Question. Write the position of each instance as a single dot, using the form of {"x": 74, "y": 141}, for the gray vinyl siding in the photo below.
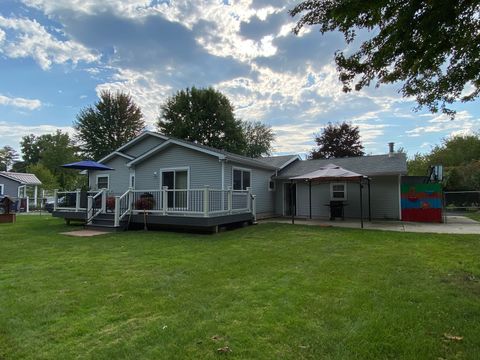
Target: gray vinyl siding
{"x": 10, "y": 186}
{"x": 384, "y": 199}
{"x": 143, "y": 146}
{"x": 118, "y": 178}
{"x": 260, "y": 178}
{"x": 204, "y": 169}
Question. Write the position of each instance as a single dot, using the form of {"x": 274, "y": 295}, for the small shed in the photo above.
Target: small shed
{"x": 15, "y": 185}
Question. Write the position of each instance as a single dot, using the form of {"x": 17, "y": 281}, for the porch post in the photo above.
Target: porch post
{"x": 230, "y": 199}
{"x": 89, "y": 207}
{"x": 130, "y": 198}
{"x": 35, "y": 195}
{"x": 310, "y": 196}
{"x": 164, "y": 199}
{"x": 27, "y": 207}
{"x": 361, "y": 204}
{"x": 116, "y": 216}
{"x": 369, "y": 202}
{"x": 254, "y": 208}
{"x": 77, "y": 200}
{"x": 205, "y": 200}
{"x": 104, "y": 201}
{"x": 55, "y": 199}
{"x": 292, "y": 210}
{"x": 249, "y": 191}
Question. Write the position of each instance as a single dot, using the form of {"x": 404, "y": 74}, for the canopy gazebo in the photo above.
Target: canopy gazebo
{"x": 329, "y": 173}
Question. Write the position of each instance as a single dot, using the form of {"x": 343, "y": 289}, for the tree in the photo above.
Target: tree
{"x": 114, "y": 120}
{"x": 48, "y": 179}
{"x": 337, "y": 141}
{"x": 258, "y": 138}
{"x": 51, "y": 151}
{"x": 430, "y": 46}
{"x": 204, "y": 116}
{"x": 8, "y": 156}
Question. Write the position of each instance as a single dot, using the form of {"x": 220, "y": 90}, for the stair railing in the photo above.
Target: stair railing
{"x": 123, "y": 206}
{"x": 93, "y": 207}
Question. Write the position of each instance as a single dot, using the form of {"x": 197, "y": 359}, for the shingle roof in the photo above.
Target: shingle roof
{"x": 22, "y": 178}
{"x": 365, "y": 165}
{"x": 277, "y": 161}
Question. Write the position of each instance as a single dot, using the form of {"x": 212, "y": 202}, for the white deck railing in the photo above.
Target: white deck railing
{"x": 204, "y": 202}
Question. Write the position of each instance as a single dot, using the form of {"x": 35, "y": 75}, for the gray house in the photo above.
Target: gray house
{"x": 184, "y": 183}
{"x": 17, "y": 185}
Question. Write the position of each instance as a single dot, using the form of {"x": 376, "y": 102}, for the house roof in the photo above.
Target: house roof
{"x": 22, "y": 178}
{"x": 395, "y": 164}
{"x": 221, "y": 154}
{"x": 279, "y": 161}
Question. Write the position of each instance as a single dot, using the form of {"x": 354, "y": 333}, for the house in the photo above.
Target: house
{"x": 19, "y": 185}
{"x": 190, "y": 184}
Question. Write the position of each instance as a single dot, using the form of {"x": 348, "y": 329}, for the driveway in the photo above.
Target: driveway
{"x": 453, "y": 225}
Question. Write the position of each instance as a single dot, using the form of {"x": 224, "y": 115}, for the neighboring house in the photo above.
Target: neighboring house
{"x": 16, "y": 185}
{"x": 153, "y": 161}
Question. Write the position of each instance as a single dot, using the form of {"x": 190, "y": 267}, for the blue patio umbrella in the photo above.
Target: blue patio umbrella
{"x": 87, "y": 165}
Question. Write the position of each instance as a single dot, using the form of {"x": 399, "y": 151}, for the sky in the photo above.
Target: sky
{"x": 57, "y": 55}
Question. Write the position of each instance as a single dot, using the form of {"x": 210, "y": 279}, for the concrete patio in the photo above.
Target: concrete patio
{"x": 454, "y": 225}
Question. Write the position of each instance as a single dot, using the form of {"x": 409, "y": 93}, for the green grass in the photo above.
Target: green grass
{"x": 474, "y": 215}
{"x": 267, "y": 292}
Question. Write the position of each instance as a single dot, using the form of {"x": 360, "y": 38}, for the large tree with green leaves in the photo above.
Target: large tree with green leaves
{"x": 204, "y": 116}
{"x": 338, "y": 141}
{"x": 8, "y": 156}
{"x": 111, "y": 122}
{"x": 258, "y": 139}
{"x": 432, "y": 47}
{"x": 51, "y": 151}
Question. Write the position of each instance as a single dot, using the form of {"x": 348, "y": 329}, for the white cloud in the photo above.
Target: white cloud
{"x": 463, "y": 124}
{"x": 30, "y": 39}
{"x": 12, "y": 133}
{"x": 30, "y": 104}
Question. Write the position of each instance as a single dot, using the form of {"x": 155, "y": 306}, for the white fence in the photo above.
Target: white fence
{"x": 204, "y": 202}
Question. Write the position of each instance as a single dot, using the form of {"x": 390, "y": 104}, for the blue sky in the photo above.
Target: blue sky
{"x": 56, "y": 55}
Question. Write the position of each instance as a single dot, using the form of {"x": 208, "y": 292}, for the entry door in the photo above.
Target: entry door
{"x": 176, "y": 180}
{"x": 290, "y": 198}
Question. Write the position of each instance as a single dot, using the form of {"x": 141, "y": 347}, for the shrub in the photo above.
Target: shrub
{"x": 145, "y": 202}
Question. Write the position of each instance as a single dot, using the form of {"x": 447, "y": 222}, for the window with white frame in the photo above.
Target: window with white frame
{"x": 103, "y": 181}
{"x": 338, "y": 191}
{"x": 2, "y": 189}
{"x": 241, "y": 179}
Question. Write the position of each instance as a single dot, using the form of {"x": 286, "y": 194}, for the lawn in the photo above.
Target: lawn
{"x": 267, "y": 292}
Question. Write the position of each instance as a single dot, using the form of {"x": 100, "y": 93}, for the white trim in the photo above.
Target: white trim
{"x": 140, "y": 137}
{"x": 344, "y": 184}
{"x": 242, "y": 169}
{"x": 2, "y": 189}
{"x": 115, "y": 153}
{"x": 130, "y": 176}
{"x": 102, "y": 175}
{"x": 174, "y": 169}
{"x": 297, "y": 157}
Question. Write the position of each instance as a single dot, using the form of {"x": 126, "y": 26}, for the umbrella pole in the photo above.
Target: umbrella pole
{"x": 361, "y": 204}
{"x": 369, "y": 202}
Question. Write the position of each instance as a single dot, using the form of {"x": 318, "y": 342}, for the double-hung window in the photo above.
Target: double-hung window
{"x": 338, "y": 191}
{"x": 241, "y": 179}
{"x": 103, "y": 182}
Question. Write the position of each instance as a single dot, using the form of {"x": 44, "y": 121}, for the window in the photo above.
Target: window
{"x": 241, "y": 179}
{"x": 271, "y": 185}
{"x": 2, "y": 189}
{"x": 176, "y": 179}
{"x": 338, "y": 191}
{"x": 102, "y": 182}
